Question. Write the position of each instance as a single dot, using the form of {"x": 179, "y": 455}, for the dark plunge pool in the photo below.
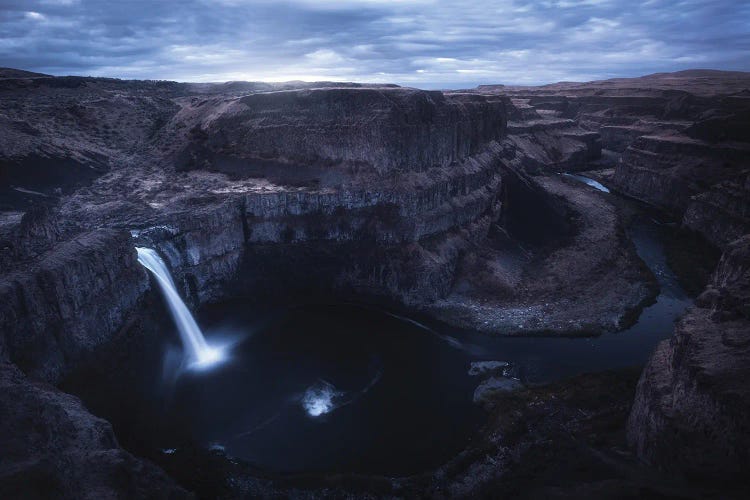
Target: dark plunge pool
{"x": 342, "y": 388}
{"x": 328, "y": 388}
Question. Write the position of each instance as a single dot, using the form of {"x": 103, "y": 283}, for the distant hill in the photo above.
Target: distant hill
{"x": 696, "y": 81}
{"x": 700, "y": 73}
{"x": 19, "y": 73}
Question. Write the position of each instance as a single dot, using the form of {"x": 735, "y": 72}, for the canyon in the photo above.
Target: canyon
{"x": 445, "y": 206}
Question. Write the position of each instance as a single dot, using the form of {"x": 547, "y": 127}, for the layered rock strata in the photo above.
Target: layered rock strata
{"x": 678, "y": 141}
{"x": 71, "y": 299}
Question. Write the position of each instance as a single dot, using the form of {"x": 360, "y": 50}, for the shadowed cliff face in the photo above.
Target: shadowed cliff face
{"x": 96, "y": 284}
{"x": 54, "y": 448}
{"x": 372, "y": 191}
{"x": 692, "y": 407}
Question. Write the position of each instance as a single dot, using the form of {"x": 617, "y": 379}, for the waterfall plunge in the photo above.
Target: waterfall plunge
{"x": 199, "y": 352}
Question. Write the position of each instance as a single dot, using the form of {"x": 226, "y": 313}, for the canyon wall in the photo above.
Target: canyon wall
{"x": 677, "y": 141}
{"x": 374, "y": 191}
{"x": 54, "y": 448}
{"x": 379, "y": 130}
{"x": 668, "y": 171}
{"x": 692, "y": 407}
{"x": 73, "y": 298}
{"x": 681, "y": 143}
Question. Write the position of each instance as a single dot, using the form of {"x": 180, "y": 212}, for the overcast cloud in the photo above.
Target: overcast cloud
{"x": 424, "y": 43}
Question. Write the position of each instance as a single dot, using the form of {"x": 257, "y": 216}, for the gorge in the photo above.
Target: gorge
{"x": 475, "y": 289}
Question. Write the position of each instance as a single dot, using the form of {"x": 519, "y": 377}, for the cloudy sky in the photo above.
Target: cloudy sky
{"x": 424, "y": 43}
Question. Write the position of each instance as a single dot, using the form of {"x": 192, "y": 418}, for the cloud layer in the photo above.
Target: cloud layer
{"x": 424, "y": 43}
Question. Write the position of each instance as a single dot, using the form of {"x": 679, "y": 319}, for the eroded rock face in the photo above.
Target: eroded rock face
{"x": 667, "y": 171}
{"x": 377, "y": 130}
{"x": 378, "y": 192}
{"x": 729, "y": 291}
{"x": 692, "y": 408}
{"x": 721, "y": 214}
{"x": 62, "y": 133}
{"x": 282, "y": 228}
{"x": 590, "y": 284}
{"x": 52, "y": 447}
{"x": 71, "y": 299}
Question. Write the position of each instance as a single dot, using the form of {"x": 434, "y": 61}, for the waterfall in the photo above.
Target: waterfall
{"x": 591, "y": 182}
{"x": 198, "y": 351}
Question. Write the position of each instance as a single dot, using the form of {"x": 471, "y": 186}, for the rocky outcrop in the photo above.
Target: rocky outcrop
{"x": 555, "y": 145}
{"x": 666, "y": 171}
{"x": 699, "y": 175}
{"x": 27, "y": 235}
{"x": 691, "y": 413}
{"x": 618, "y": 138}
{"x": 54, "y": 448}
{"x": 62, "y": 133}
{"x": 74, "y": 297}
{"x": 290, "y": 221}
{"x": 592, "y": 282}
{"x": 729, "y": 292}
{"x": 378, "y": 130}
{"x": 204, "y": 246}
{"x": 721, "y": 214}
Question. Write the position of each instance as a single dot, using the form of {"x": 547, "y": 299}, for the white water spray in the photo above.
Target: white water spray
{"x": 200, "y": 353}
{"x": 320, "y": 398}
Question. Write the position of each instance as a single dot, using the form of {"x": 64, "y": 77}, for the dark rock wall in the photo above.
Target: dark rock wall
{"x": 682, "y": 145}
{"x": 398, "y": 239}
{"x": 72, "y": 299}
{"x": 52, "y": 447}
{"x": 386, "y": 186}
{"x": 367, "y": 129}
{"x": 203, "y": 246}
{"x": 418, "y": 180}
{"x": 721, "y": 214}
{"x": 667, "y": 171}
{"x": 691, "y": 413}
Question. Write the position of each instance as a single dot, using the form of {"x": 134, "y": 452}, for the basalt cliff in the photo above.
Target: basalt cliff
{"x": 444, "y": 205}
